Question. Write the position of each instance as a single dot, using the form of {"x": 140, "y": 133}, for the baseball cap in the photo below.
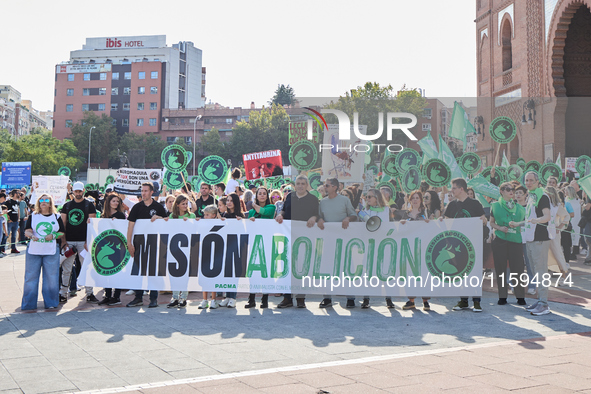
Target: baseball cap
{"x": 78, "y": 186}
{"x": 252, "y": 186}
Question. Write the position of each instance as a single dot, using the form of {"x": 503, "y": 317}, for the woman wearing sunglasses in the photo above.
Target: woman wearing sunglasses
{"x": 277, "y": 200}
{"x": 43, "y": 228}
{"x": 506, "y": 215}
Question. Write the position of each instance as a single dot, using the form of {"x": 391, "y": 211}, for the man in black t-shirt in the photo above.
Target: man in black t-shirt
{"x": 75, "y": 215}
{"x": 13, "y": 216}
{"x": 303, "y": 206}
{"x": 204, "y": 200}
{"x": 464, "y": 207}
{"x": 145, "y": 209}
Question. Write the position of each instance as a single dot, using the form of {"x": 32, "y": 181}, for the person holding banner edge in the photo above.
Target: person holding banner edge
{"x": 145, "y": 209}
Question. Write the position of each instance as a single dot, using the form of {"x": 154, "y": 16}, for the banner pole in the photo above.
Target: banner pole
{"x": 492, "y": 171}
{"x": 190, "y": 193}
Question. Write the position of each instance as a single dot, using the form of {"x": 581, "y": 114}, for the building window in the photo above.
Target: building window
{"x": 101, "y": 107}
{"x": 126, "y": 106}
{"x": 85, "y": 107}
{"x": 188, "y": 140}
{"x": 140, "y": 106}
{"x": 70, "y": 107}
{"x": 141, "y": 90}
{"x": 154, "y": 75}
{"x": 426, "y": 126}
{"x": 127, "y": 75}
{"x": 141, "y": 75}
{"x": 86, "y": 92}
{"x": 427, "y": 113}
{"x": 125, "y": 122}
{"x": 103, "y": 76}
{"x": 152, "y": 121}
{"x": 228, "y": 134}
{"x": 115, "y": 76}
{"x": 153, "y": 106}
{"x": 70, "y": 92}
{"x": 102, "y": 91}
{"x": 171, "y": 140}
{"x": 507, "y": 50}
{"x": 69, "y": 123}
{"x": 114, "y": 106}
{"x": 153, "y": 90}
{"x": 87, "y": 77}
{"x": 70, "y": 77}
{"x": 140, "y": 122}
{"x": 114, "y": 122}
{"x": 127, "y": 91}
{"x": 114, "y": 91}
{"x": 228, "y": 120}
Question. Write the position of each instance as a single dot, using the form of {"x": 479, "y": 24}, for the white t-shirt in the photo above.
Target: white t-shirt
{"x": 231, "y": 186}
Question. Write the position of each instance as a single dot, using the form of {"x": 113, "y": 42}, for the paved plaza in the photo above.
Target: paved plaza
{"x": 83, "y": 347}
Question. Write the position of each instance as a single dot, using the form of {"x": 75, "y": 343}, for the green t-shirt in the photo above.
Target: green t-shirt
{"x": 188, "y": 215}
{"x": 266, "y": 212}
{"x": 503, "y": 217}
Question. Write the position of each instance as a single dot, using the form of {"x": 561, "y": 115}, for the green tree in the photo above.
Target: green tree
{"x": 284, "y": 95}
{"x": 371, "y": 99}
{"x": 266, "y": 129}
{"x": 153, "y": 146}
{"x": 211, "y": 144}
{"x": 46, "y": 154}
{"x": 105, "y": 140}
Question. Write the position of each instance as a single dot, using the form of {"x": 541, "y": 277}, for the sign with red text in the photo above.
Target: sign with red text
{"x": 263, "y": 164}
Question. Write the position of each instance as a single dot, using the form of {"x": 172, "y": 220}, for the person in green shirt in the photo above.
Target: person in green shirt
{"x": 506, "y": 216}
{"x": 180, "y": 210}
{"x": 261, "y": 209}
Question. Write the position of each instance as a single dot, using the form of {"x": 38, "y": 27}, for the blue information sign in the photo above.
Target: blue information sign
{"x": 16, "y": 174}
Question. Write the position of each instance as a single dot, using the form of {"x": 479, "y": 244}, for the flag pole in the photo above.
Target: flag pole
{"x": 492, "y": 171}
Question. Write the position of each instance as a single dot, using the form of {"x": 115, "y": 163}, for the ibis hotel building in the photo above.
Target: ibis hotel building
{"x": 130, "y": 79}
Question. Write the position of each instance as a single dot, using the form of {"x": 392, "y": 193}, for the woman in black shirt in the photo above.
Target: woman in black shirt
{"x": 113, "y": 209}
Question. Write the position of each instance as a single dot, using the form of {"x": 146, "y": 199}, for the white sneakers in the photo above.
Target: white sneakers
{"x": 540, "y": 309}
{"x": 531, "y": 291}
{"x": 214, "y": 304}
{"x": 203, "y": 305}
{"x": 228, "y": 302}
{"x": 224, "y": 302}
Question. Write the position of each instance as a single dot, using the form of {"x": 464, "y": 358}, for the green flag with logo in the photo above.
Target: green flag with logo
{"x": 585, "y": 184}
{"x": 448, "y": 158}
{"x": 429, "y": 148}
{"x": 559, "y": 161}
{"x": 484, "y": 187}
{"x": 460, "y": 125}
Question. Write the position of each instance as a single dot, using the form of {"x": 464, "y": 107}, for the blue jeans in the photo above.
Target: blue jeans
{"x": 51, "y": 278}
{"x": 230, "y": 294}
{"x": 12, "y": 229}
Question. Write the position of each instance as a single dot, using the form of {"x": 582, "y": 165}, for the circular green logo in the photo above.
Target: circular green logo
{"x": 548, "y": 170}
{"x": 315, "y": 180}
{"x": 436, "y": 173}
{"x": 75, "y": 217}
{"x": 521, "y": 163}
{"x": 581, "y": 165}
{"x": 389, "y": 186}
{"x": 89, "y": 186}
{"x": 303, "y": 155}
{"x": 497, "y": 179}
{"x": 213, "y": 169}
{"x": 373, "y": 168}
{"x": 109, "y": 253}
{"x": 406, "y": 159}
{"x": 174, "y": 180}
{"x": 533, "y": 165}
{"x": 174, "y": 158}
{"x": 450, "y": 253}
{"x": 514, "y": 173}
{"x": 411, "y": 179}
{"x": 110, "y": 179}
{"x": 389, "y": 166}
{"x": 470, "y": 163}
{"x": 502, "y": 129}
{"x": 195, "y": 182}
{"x": 44, "y": 229}
{"x": 64, "y": 171}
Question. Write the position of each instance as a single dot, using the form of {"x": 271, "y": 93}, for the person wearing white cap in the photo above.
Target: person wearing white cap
{"x": 75, "y": 215}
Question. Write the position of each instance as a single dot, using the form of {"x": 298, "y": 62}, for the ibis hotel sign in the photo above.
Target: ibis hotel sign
{"x": 129, "y": 42}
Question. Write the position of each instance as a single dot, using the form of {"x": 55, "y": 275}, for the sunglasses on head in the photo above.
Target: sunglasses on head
{"x": 44, "y": 200}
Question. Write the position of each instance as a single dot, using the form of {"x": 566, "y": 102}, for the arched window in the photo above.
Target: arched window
{"x": 506, "y": 45}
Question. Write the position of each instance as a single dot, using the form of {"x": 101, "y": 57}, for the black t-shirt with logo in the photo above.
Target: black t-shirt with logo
{"x": 541, "y": 232}
{"x": 469, "y": 208}
{"x": 141, "y": 211}
{"x": 202, "y": 204}
{"x": 13, "y": 206}
{"x": 77, "y": 214}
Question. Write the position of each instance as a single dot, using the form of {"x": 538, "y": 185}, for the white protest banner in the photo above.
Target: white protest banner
{"x": 54, "y": 185}
{"x": 129, "y": 180}
{"x": 439, "y": 258}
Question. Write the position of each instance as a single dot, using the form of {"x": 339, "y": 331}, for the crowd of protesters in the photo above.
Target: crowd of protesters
{"x": 528, "y": 226}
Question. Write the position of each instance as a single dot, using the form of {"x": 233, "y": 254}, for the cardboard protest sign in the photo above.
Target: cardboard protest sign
{"x": 56, "y": 186}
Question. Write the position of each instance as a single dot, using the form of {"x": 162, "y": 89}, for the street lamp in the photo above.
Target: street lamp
{"x": 194, "y": 140}
{"x": 89, "y": 139}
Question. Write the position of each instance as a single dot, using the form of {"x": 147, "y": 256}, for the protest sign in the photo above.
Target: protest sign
{"x": 298, "y": 131}
{"x": 303, "y": 155}
{"x": 16, "y": 174}
{"x": 340, "y": 161}
{"x": 268, "y": 257}
{"x": 56, "y": 186}
{"x": 263, "y": 164}
{"x": 129, "y": 180}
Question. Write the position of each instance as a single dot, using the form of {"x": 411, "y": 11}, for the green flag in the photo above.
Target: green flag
{"x": 460, "y": 125}
{"x": 505, "y": 162}
{"x": 585, "y": 184}
{"x": 484, "y": 187}
{"x": 448, "y": 158}
{"x": 558, "y": 161}
{"x": 429, "y": 148}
